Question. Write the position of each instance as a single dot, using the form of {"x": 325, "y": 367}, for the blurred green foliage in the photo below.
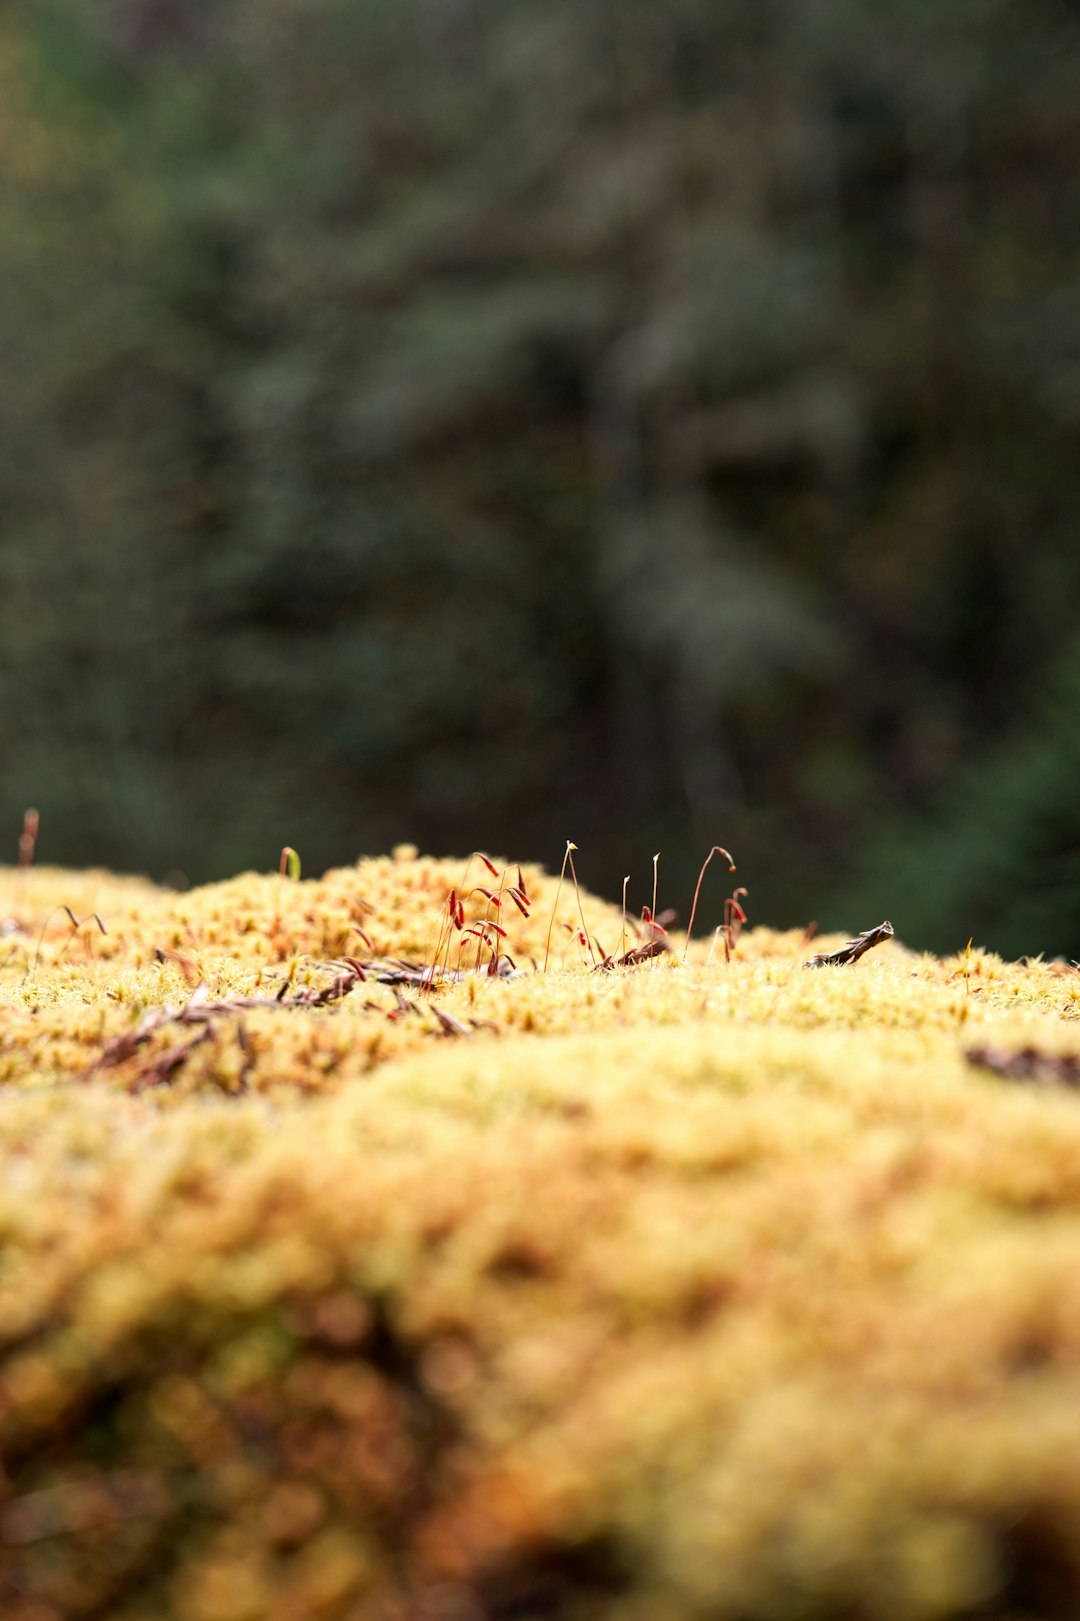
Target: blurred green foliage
{"x": 494, "y": 423}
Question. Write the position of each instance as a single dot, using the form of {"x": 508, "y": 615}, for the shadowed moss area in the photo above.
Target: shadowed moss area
{"x": 692, "y": 1291}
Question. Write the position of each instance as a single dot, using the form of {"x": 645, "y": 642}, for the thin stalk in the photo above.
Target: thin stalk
{"x": 551, "y": 921}
{"x": 27, "y": 843}
{"x": 717, "y": 849}
{"x": 652, "y": 914}
{"x": 581, "y": 914}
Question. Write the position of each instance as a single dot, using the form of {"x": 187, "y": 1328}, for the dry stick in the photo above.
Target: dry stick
{"x": 639, "y": 954}
{"x": 622, "y": 933}
{"x": 555, "y": 907}
{"x": 854, "y": 949}
{"x": 1027, "y": 1064}
{"x": 199, "y": 1010}
{"x": 717, "y": 849}
{"x": 162, "y": 1069}
{"x": 450, "y": 1026}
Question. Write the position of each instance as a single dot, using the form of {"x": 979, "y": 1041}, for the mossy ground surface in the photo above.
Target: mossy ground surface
{"x": 691, "y": 1291}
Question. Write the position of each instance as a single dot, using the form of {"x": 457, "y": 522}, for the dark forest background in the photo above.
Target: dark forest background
{"x": 503, "y": 421}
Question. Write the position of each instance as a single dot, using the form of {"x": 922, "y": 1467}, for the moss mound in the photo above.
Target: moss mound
{"x": 688, "y": 1291}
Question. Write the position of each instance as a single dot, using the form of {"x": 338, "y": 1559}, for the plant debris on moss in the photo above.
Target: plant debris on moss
{"x": 701, "y": 1289}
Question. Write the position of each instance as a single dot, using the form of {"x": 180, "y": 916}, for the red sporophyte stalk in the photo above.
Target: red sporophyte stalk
{"x": 485, "y": 931}
{"x": 734, "y": 918}
{"x": 28, "y": 839}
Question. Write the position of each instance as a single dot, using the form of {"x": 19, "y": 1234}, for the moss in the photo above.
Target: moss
{"x": 689, "y": 1290}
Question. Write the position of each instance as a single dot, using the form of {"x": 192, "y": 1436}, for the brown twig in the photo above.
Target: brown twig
{"x": 200, "y": 1010}
{"x": 639, "y": 954}
{"x": 854, "y": 949}
{"x": 1028, "y": 1064}
{"x": 161, "y": 1069}
{"x": 395, "y": 971}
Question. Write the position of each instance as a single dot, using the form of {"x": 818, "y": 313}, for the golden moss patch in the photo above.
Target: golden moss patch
{"x": 691, "y": 1290}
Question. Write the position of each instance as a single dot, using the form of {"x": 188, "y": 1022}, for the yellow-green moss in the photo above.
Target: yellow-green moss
{"x": 692, "y": 1290}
